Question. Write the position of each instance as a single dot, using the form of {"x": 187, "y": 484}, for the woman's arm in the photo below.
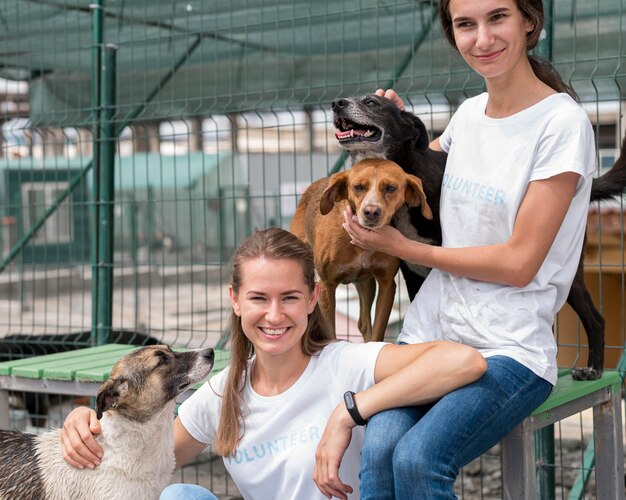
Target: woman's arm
{"x": 81, "y": 450}
{"x": 186, "y": 447}
{"x": 405, "y": 375}
{"x": 514, "y": 262}
{"x": 435, "y": 145}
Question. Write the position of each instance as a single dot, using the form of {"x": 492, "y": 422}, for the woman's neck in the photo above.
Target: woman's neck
{"x": 272, "y": 375}
{"x": 515, "y": 92}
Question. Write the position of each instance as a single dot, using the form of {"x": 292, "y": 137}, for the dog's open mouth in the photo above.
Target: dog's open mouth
{"x": 349, "y": 131}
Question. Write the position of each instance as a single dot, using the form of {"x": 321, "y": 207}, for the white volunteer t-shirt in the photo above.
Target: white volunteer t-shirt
{"x": 276, "y": 455}
{"x": 490, "y": 163}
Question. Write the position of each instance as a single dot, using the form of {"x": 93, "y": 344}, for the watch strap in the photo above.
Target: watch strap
{"x": 352, "y": 408}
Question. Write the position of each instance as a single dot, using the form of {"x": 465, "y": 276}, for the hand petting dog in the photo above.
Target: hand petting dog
{"x": 392, "y": 96}
{"x": 383, "y": 239}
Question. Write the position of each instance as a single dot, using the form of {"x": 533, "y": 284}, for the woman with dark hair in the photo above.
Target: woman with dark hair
{"x": 266, "y": 413}
{"x": 514, "y": 204}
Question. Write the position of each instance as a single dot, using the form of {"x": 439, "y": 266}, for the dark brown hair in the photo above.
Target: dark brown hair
{"x": 273, "y": 243}
{"x": 532, "y": 10}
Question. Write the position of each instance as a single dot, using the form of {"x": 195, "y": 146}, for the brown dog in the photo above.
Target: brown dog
{"x": 375, "y": 190}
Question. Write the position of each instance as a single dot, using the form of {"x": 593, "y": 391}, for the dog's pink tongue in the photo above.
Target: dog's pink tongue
{"x": 349, "y": 133}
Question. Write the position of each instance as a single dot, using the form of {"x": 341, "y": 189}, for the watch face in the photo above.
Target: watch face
{"x": 348, "y": 397}
{"x": 349, "y": 401}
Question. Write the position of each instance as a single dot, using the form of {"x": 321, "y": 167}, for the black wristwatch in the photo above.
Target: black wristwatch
{"x": 348, "y": 397}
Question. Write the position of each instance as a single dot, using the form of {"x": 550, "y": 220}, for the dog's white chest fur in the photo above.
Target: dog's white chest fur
{"x": 137, "y": 464}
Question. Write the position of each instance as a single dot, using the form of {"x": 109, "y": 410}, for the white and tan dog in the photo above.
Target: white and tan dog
{"x": 136, "y": 408}
{"x": 378, "y": 192}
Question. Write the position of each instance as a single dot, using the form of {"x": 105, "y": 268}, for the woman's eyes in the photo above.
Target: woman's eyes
{"x": 287, "y": 298}
{"x": 470, "y": 24}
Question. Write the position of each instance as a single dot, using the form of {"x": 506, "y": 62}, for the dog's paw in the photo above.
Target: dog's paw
{"x": 586, "y": 373}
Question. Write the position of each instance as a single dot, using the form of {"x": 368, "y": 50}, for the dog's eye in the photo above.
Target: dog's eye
{"x": 390, "y": 188}
{"x": 358, "y": 188}
{"x": 371, "y": 102}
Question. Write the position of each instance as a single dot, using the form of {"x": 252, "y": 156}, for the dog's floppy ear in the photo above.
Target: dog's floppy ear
{"x": 422, "y": 141}
{"x": 415, "y": 196}
{"x": 336, "y": 190}
{"x": 109, "y": 395}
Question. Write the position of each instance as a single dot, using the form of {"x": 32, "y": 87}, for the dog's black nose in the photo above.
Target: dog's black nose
{"x": 372, "y": 213}
{"x": 338, "y": 104}
{"x": 209, "y": 354}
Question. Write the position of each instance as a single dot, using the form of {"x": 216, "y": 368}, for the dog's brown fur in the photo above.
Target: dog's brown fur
{"x": 376, "y": 191}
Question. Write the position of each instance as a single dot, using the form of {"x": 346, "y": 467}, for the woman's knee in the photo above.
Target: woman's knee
{"x": 182, "y": 491}
{"x": 385, "y": 429}
{"x": 422, "y": 471}
{"x": 410, "y": 455}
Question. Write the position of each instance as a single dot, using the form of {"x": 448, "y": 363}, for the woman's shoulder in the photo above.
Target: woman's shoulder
{"x": 564, "y": 113}
{"x": 347, "y": 350}
{"x": 563, "y": 106}
{"x": 471, "y": 104}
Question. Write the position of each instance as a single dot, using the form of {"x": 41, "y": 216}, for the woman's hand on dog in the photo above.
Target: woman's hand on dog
{"x": 384, "y": 239}
{"x": 80, "y": 448}
{"x": 330, "y": 451}
{"x": 392, "y": 96}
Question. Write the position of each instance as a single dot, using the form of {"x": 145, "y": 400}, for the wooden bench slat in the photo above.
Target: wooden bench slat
{"x": 91, "y": 364}
{"x": 567, "y": 389}
{"x": 8, "y": 367}
{"x": 83, "y": 359}
{"x": 89, "y": 368}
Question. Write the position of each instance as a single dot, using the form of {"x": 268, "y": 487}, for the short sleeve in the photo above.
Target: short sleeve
{"x": 445, "y": 139}
{"x": 567, "y": 145}
{"x": 199, "y": 414}
{"x": 356, "y": 362}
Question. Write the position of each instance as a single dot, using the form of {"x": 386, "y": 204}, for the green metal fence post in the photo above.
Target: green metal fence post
{"x": 97, "y": 36}
{"x": 544, "y": 438}
{"x": 106, "y": 192}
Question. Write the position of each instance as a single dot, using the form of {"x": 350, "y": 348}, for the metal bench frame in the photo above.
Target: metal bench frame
{"x": 569, "y": 398}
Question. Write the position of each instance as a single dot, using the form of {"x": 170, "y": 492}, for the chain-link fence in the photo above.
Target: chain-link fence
{"x": 142, "y": 140}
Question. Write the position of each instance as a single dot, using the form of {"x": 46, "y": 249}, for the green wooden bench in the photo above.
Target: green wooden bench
{"x": 570, "y": 397}
{"x": 75, "y": 373}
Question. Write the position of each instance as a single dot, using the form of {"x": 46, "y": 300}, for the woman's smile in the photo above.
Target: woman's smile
{"x": 274, "y": 303}
{"x": 273, "y": 332}
{"x": 488, "y": 57}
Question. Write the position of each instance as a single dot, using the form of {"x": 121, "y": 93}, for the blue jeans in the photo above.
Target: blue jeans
{"x": 417, "y": 452}
{"x": 182, "y": 491}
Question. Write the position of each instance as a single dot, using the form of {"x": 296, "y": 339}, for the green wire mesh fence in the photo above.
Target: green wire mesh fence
{"x": 142, "y": 140}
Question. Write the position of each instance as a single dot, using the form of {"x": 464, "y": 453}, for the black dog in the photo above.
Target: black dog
{"x": 372, "y": 126}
